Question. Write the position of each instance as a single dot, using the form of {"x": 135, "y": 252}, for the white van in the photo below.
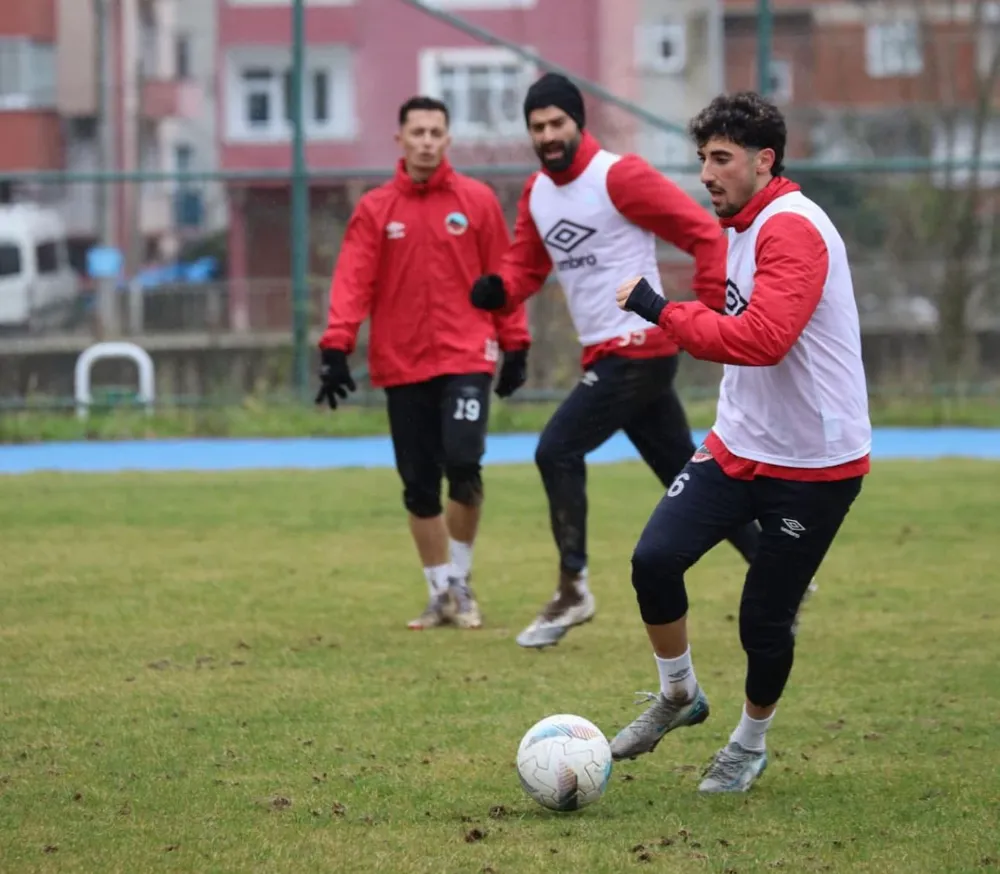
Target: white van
{"x": 37, "y": 284}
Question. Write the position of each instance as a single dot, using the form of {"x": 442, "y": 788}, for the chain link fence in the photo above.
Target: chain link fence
{"x": 912, "y": 180}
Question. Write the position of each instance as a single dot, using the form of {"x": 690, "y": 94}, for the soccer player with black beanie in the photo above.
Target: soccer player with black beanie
{"x": 792, "y": 436}
{"x": 595, "y": 217}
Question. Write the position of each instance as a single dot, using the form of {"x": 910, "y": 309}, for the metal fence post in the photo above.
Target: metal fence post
{"x": 764, "y": 35}
{"x": 300, "y": 208}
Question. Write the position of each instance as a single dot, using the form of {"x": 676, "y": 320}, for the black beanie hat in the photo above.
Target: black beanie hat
{"x": 554, "y": 89}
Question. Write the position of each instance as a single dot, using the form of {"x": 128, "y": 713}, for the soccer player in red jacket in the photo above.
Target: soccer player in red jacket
{"x": 595, "y": 217}
{"x": 411, "y": 251}
{"x": 791, "y": 440}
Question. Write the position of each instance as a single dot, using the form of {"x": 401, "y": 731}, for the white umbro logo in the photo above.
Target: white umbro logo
{"x": 589, "y": 378}
{"x": 792, "y": 527}
{"x": 395, "y": 230}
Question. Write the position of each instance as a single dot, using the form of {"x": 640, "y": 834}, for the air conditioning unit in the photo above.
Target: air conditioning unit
{"x": 662, "y": 47}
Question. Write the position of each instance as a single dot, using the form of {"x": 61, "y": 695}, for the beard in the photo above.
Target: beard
{"x": 727, "y": 209}
{"x": 732, "y": 202}
{"x": 560, "y": 161}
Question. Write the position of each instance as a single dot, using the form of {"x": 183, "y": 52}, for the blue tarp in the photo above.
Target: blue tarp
{"x": 202, "y": 270}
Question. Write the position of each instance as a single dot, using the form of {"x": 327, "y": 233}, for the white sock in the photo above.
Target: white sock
{"x": 437, "y": 578}
{"x": 750, "y": 733}
{"x": 579, "y": 582}
{"x": 461, "y": 558}
{"x": 677, "y": 678}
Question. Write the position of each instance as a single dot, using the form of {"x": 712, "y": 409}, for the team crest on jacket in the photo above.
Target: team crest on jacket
{"x": 456, "y": 223}
{"x": 395, "y": 230}
{"x": 702, "y": 453}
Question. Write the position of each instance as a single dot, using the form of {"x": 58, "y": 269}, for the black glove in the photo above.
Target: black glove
{"x": 488, "y": 293}
{"x": 513, "y": 373}
{"x": 644, "y": 301}
{"x": 335, "y": 377}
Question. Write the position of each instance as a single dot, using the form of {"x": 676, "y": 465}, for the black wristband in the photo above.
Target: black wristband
{"x": 644, "y": 301}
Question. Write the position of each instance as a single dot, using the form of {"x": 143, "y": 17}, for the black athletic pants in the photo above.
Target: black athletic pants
{"x": 630, "y": 394}
{"x": 439, "y": 427}
{"x": 798, "y": 520}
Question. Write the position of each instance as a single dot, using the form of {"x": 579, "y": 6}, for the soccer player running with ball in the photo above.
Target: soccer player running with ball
{"x": 791, "y": 441}
{"x": 412, "y": 249}
{"x": 596, "y": 216}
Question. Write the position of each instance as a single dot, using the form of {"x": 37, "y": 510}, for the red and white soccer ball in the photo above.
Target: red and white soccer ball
{"x": 564, "y": 762}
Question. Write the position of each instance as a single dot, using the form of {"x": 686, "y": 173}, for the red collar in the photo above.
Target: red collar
{"x": 770, "y": 192}
{"x": 440, "y": 178}
{"x": 584, "y": 155}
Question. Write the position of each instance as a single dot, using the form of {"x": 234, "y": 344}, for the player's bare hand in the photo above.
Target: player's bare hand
{"x": 625, "y": 289}
{"x": 639, "y": 297}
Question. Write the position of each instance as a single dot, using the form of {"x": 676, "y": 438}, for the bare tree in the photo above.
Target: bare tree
{"x": 943, "y": 215}
{"x": 927, "y": 238}
{"x": 963, "y": 194}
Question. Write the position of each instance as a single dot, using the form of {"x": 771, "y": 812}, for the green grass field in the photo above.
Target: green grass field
{"x": 284, "y": 417}
{"x": 212, "y": 674}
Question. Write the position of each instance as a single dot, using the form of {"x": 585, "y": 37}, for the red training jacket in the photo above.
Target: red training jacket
{"x": 409, "y": 258}
{"x": 646, "y": 198}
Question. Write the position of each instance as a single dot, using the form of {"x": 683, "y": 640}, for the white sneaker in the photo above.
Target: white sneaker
{"x": 569, "y": 607}
{"x": 663, "y": 715}
{"x": 438, "y": 612}
{"x": 734, "y": 769}
{"x": 466, "y": 612}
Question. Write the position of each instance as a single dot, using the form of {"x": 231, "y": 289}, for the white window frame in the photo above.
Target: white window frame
{"x": 430, "y": 63}
{"x": 335, "y": 60}
{"x": 183, "y": 46}
{"x": 782, "y": 80}
{"x": 187, "y": 148}
{"x": 648, "y": 39}
{"x": 894, "y": 49}
{"x": 35, "y": 77}
{"x": 953, "y": 141}
{"x": 988, "y": 39}
{"x": 149, "y": 43}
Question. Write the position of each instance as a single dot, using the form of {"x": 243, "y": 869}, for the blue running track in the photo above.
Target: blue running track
{"x": 340, "y": 452}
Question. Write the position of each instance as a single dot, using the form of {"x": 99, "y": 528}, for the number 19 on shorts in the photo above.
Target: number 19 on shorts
{"x": 467, "y": 409}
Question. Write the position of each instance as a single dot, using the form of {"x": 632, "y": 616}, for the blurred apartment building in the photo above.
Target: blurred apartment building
{"x": 877, "y": 78}
{"x": 858, "y": 80}
{"x": 365, "y": 58}
{"x": 89, "y": 85}
{"x": 205, "y": 84}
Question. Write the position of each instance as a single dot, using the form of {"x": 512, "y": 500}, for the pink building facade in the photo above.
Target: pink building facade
{"x": 52, "y": 117}
{"x": 365, "y": 58}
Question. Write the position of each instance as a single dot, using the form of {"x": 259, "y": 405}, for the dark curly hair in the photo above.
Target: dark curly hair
{"x": 746, "y": 119}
